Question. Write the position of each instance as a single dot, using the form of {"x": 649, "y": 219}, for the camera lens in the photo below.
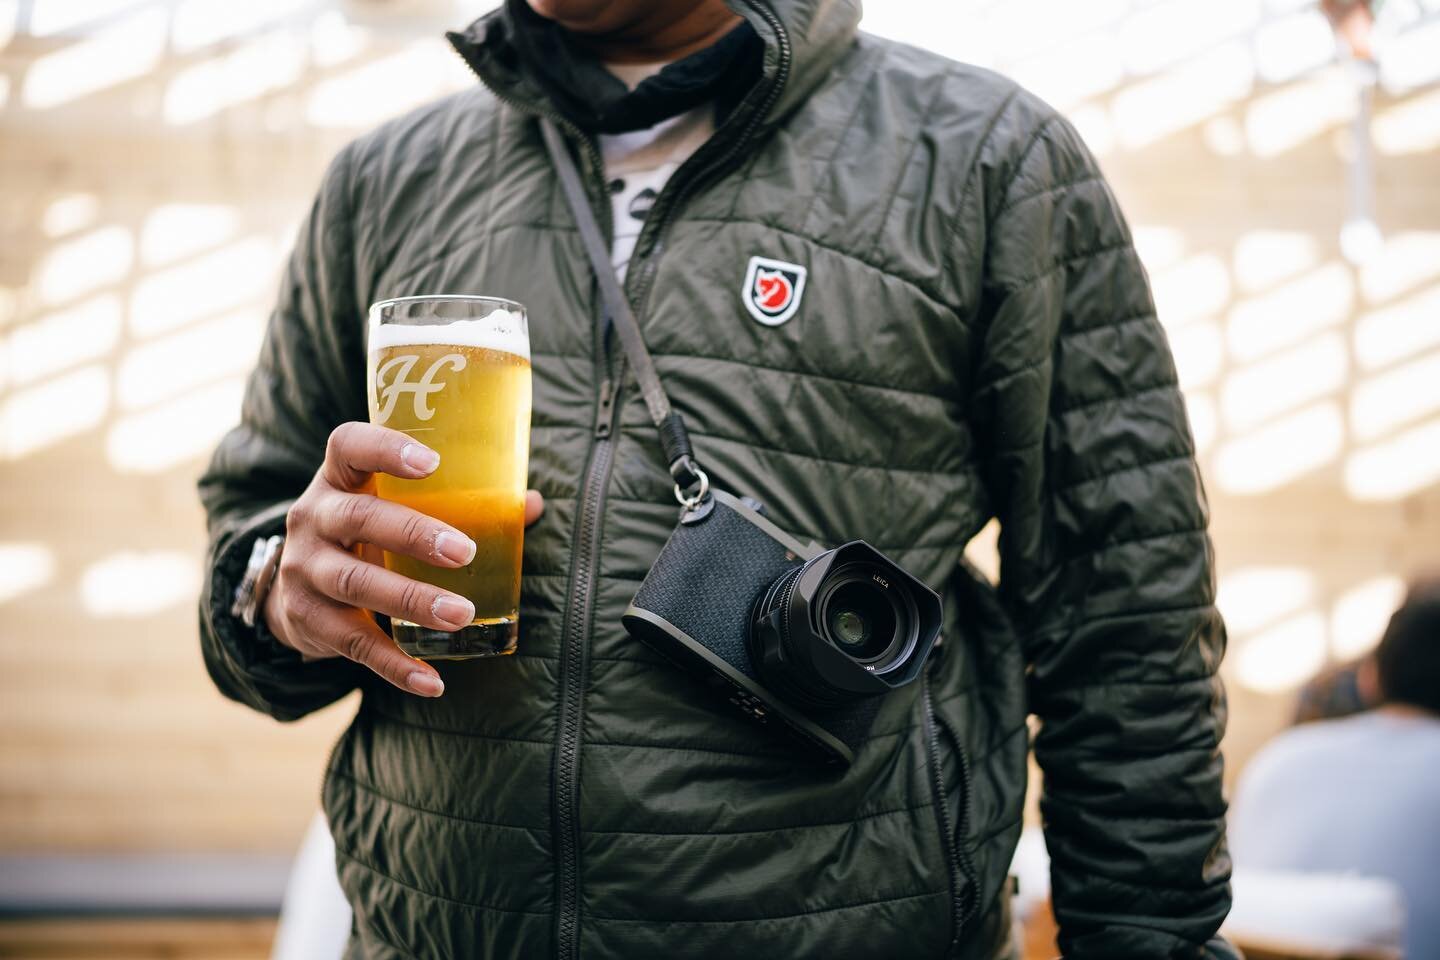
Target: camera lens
{"x": 863, "y": 617}
{"x": 850, "y": 628}
{"x": 860, "y": 619}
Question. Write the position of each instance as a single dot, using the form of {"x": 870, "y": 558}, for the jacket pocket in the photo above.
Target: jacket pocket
{"x": 950, "y": 822}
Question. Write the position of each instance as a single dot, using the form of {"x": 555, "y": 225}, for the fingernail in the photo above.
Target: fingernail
{"x": 454, "y": 547}
{"x": 425, "y": 684}
{"x": 453, "y": 610}
{"x": 419, "y": 458}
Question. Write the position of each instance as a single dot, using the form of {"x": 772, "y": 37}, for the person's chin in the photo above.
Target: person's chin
{"x": 572, "y": 14}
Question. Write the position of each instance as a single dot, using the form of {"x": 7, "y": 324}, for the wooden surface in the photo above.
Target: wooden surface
{"x": 1038, "y": 936}
{"x": 1275, "y": 950}
{"x": 184, "y": 939}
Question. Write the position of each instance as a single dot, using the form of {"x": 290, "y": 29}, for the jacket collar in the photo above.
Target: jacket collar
{"x": 584, "y": 91}
{"x": 803, "y": 40}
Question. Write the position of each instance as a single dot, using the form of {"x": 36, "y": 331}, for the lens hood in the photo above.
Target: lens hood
{"x": 848, "y": 623}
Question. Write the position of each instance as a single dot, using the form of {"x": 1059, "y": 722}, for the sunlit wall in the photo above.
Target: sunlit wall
{"x": 155, "y": 156}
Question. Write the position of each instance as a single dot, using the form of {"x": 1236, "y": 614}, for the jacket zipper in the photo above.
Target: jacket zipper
{"x": 575, "y": 662}
{"x": 967, "y": 813}
{"x": 963, "y": 891}
{"x": 575, "y": 635}
{"x": 585, "y": 559}
{"x": 574, "y": 650}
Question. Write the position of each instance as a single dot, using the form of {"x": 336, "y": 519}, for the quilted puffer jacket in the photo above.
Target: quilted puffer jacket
{"x": 975, "y": 338}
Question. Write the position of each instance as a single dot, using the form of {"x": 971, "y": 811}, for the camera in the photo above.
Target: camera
{"x": 801, "y": 639}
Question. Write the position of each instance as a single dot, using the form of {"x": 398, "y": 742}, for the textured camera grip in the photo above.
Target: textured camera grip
{"x": 705, "y": 582}
{"x": 707, "y": 577}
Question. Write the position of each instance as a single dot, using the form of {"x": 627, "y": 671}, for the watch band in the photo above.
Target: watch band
{"x": 259, "y": 577}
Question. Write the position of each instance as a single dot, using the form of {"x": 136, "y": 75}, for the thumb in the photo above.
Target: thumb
{"x": 534, "y": 506}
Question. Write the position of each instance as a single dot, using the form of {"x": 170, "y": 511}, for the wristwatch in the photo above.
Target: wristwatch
{"x": 259, "y": 577}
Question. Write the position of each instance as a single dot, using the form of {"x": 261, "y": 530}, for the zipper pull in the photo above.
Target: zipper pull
{"x": 604, "y": 409}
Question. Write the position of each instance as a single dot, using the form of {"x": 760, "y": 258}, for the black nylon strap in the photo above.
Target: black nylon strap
{"x": 673, "y": 438}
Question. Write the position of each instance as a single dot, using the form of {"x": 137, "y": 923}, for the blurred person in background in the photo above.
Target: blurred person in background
{"x": 975, "y": 337}
{"x": 1339, "y": 691}
{"x": 1362, "y": 793}
{"x": 1354, "y": 25}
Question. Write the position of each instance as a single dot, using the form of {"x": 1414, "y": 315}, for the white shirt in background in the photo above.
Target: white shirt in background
{"x": 1360, "y": 794}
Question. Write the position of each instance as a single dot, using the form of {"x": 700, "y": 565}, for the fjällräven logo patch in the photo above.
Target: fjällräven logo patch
{"x": 772, "y": 290}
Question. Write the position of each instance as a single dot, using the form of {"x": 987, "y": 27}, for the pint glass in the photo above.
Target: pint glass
{"x": 454, "y": 373}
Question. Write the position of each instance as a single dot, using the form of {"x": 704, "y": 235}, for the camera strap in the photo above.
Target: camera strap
{"x": 674, "y": 439}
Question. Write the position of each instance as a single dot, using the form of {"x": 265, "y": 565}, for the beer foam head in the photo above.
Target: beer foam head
{"x": 499, "y": 330}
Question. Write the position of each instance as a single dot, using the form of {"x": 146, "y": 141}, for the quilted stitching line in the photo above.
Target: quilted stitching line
{"x": 783, "y": 916}
{"x": 374, "y": 791}
{"x": 777, "y": 829}
{"x": 443, "y": 731}
{"x": 1130, "y": 541}
{"x": 435, "y": 259}
{"x": 478, "y": 735}
{"x": 994, "y": 746}
{"x": 261, "y": 430}
{"x": 1061, "y": 631}
{"x": 1202, "y": 679}
{"x": 348, "y": 249}
{"x": 984, "y": 837}
{"x": 1144, "y": 392}
{"x": 1068, "y": 262}
{"x": 559, "y": 356}
{"x": 829, "y": 167}
{"x": 1131, "y": 751}
{"x": 1037, "y": 136}
{"x": 1060, "y": 338}
{"x": 1148, "y": 314}
{"x": 347, "y": 855}
{"x": 754, "y": 445}
{"x": 786, "y": 757}
{"x": 640, "y": 661}
{"x": 1011, "y": 375}
{"x": 1137, "y": 394}
{"x": 940, "y": 87}
{"x": 1046, "y": 191}
{"x": 909, "y": 391}
{"x": 972, "y": 175}
{"x": 1142, "y": 465}
{"x": 495, "y": 135}
{"x": 565, "y": 576}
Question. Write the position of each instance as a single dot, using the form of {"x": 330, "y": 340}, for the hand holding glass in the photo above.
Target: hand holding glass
{"x": 454, "y": 373}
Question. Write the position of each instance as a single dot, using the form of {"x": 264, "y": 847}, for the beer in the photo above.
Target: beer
{"x": 462, "y": 388}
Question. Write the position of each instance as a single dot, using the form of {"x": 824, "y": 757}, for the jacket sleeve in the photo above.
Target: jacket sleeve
{"x": 1106, "y": 565}
{"x": 309, "y": 379}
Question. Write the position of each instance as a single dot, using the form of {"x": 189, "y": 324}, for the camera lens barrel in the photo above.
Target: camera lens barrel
{"x": 845, "y": 624}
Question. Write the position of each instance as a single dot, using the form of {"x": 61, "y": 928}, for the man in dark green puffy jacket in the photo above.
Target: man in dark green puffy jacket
{"x": 973, "y": 338}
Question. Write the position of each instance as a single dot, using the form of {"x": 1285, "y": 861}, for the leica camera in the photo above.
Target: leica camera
{"x": 804, "y": 640}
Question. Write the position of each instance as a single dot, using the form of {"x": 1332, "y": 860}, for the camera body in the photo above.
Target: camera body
{"x": 801, "y": 639}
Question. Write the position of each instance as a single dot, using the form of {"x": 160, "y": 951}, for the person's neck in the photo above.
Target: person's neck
{"x": 665, "y": 33}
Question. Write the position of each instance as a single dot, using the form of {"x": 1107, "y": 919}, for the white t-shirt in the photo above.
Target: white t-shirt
{"x": 639, "y": 162}
{"x": 1360, "y": 794}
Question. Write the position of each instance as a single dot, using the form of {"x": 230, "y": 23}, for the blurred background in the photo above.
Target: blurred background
{"x": 157, "y": 155}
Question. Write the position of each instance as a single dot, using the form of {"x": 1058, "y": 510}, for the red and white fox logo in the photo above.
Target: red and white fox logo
{"x": 772, "y": 290}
